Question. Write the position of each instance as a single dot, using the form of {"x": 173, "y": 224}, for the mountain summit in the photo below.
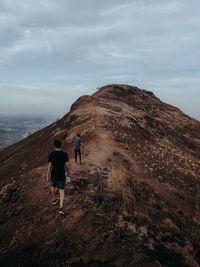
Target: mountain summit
{"x": 133, "y": 202}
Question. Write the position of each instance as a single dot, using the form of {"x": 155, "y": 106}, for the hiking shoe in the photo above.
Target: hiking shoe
{"x": 61, "y": 212}
{"x": 55, "y": 202}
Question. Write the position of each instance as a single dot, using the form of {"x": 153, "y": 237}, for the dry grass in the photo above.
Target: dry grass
{"x": 124, "y": 185}
{"x": 116, "y": 182}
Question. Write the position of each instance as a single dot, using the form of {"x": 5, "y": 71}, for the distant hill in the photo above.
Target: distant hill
{"x": 133, "y": 202}
{"x": 14, "y": 128}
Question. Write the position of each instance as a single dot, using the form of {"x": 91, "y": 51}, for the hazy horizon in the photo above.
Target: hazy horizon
{"x": 52, "y": 117}
{"x": 52, "y": 52}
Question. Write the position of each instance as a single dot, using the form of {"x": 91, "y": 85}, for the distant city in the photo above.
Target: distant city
{"x": 14, "y": 129}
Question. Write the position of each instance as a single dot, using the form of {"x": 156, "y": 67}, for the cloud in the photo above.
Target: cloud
{"x": 76, "y": 46}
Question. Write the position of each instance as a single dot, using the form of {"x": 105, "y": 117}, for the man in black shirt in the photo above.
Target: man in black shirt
{"x": 58, "y": 163}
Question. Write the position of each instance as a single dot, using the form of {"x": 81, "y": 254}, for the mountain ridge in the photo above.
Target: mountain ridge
{"x": 134, "y": 201}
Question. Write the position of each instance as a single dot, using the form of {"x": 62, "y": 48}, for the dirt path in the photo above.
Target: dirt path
{"x": 104, "y": 144}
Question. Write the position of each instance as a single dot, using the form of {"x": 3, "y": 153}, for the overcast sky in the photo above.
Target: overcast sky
{"x": 53, "y": 51}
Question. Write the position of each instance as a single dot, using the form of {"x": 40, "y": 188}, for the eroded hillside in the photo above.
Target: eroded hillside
{"x": 133, "y": 202}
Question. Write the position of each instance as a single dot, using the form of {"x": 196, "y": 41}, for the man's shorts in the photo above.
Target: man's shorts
{"x": 58, "y": 183}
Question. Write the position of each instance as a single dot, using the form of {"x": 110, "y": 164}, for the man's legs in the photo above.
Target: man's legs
{"x": 75, "y": 151}
{"x": 62, "y": 196}
{"x": 79, "y": 153}
{"x": 53, "y": 190}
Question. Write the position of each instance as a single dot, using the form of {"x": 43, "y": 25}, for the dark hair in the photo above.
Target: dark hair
{"x": 78, "y": 135}
{"x": 57, "y": 143}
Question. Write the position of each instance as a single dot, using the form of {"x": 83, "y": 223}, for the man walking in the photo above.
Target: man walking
{"x": 77, "y": 147}
{"x": 58, "y": 163}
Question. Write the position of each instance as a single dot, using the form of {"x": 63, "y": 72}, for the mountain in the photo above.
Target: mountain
{"x": 14, "y": 128}
{"x": 133, "y": 202}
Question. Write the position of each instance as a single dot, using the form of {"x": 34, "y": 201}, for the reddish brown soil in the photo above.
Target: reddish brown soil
{"x": 133, "y": 202}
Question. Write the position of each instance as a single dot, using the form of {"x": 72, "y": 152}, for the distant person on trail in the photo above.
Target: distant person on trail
{"x": 77, "y": 147}
{"x": 58, "y": 163}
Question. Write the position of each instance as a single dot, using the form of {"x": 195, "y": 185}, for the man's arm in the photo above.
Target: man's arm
{"x": 49, "y": 171}
{"x": 67, "y": 168}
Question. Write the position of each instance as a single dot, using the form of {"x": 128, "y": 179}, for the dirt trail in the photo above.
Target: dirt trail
{"x": 103, "y": 144}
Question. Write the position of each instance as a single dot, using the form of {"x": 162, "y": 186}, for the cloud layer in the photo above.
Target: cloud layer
{"x": 51, "y": 52}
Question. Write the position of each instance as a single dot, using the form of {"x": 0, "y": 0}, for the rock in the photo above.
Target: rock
{"x": 75, "y": 261}
{"x": 9, "y": 192}
{"x": 86, "y": 258}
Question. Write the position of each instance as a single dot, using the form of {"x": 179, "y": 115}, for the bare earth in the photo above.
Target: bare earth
{"x": 133, "y": 202}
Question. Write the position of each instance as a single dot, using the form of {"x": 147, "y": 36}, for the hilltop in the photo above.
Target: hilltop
{"x": 133, "y": 202}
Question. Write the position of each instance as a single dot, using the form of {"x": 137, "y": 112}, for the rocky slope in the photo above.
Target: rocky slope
{"x": 133, "y": 202}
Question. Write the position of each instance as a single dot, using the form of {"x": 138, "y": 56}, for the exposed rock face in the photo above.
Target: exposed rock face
{"x": 133, "y": 202}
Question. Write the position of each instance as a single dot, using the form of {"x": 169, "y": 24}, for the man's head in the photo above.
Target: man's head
{"x": 78, "y": 135}
{"x": 57, "y": 144}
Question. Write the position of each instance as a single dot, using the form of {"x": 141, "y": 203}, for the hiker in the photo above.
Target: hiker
{"x": 77, "y": 147}
{"x": 58, "y": 163}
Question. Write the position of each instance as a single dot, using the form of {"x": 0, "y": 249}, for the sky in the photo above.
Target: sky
{"x": 52, "y": 52}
